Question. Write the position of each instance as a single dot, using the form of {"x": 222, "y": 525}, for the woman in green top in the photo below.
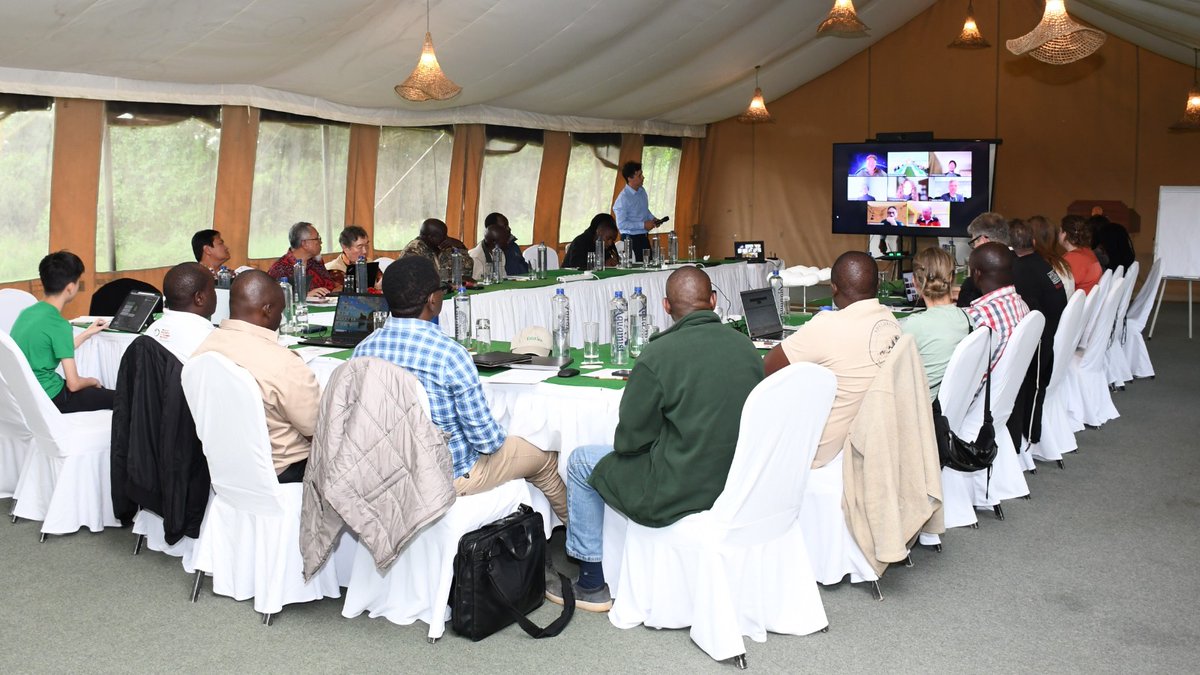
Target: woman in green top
{"x": 940, "y": 328}
{"x": 47, "y": 340}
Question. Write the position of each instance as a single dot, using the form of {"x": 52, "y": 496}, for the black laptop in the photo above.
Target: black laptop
{"x": 134, "y": 314}
{"x": 762, "y": 317}
{"x": 351, "y": 320}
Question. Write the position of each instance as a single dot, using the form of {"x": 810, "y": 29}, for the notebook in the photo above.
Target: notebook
{"x": 762, "y": 317}
{"x": 135, "y": 311}
{"x": 351, "y": 320}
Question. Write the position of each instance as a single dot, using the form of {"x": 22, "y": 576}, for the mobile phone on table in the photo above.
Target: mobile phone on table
{"x": 620, "y": 373}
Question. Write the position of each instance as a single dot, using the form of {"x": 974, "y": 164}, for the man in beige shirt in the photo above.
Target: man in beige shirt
{"x": 289, "y": 389}
{"x": 853, "y": 342}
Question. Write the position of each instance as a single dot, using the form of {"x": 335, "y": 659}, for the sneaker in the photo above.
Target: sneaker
{"x": 591, "y": 600}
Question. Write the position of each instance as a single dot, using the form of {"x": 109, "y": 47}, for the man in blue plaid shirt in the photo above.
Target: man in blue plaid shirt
{"x": 483, "y": 456}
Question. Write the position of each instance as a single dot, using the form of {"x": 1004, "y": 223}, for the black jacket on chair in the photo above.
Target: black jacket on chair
{"x": 157, "y": 460}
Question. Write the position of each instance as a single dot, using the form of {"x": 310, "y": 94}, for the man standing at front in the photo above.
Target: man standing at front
{"x": 853, "y": 342}
{"x": 676, "y": 434}
{"x": 632, "y": 210}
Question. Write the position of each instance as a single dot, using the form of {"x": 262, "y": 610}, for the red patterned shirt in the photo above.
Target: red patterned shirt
{"x": 1001, "y": 310}
{"x": 318, "y": 276}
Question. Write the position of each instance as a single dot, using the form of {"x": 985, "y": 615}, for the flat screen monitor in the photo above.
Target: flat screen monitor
{"x": 930, "y": 188}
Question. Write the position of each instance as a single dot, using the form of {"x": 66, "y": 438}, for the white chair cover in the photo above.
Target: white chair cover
{"x": 1008, "y": 477}
{"x": 16, "y": 441}
{"x": 826, "y": 534}
{"x": 1095, "y": 299}
{"x": 1095, "y": 400}
{"x": 1135, "y": 322}
{"x": 150, "y": 526}
{"x": 530, "y": 255}
{"x": 963, "y": 374}
{"x": 1058, "y": 437}
{"x": 417, "y": 585}
{"x": 64, "y": 481}
{"x": 250, "y": 538}
{"x": 740, "y": 568}
{"x": 243, "y": 268}
{"x": 12, "y": 302}
{"x": 1116, "y": 364}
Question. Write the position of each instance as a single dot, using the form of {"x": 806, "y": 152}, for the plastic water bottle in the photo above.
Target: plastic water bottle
{"x": 456, "y": 268}
{"x": 497, "y": 272}
{"x": 224, "y": 277}
{"x": 360, "y": 275}
{"x": 462, "y": 317}
{"x": 780, "y": 293}
{"x": 289, "y": 317}
{"x": 672, "y": 248}
{"x": 638, "y": 322}
{"x": 599, "y": 254}
{"x": 619, "y": 313}
{"x": 542, "y": 261}
{"x": 560, "y": 324}
{"x": 299, "y": 282}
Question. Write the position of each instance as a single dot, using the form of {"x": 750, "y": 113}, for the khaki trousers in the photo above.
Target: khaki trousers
{"x": 517, "y": 458}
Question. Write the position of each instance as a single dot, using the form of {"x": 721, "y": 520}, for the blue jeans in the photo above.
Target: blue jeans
{"x": 585, "y": 506}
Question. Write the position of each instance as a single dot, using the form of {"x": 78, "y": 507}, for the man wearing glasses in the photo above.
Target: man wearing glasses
{"x": 986, "y": 227}
{"x": 305, "y": 245}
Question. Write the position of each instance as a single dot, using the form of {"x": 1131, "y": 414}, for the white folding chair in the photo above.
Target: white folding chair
{"x": 1135, "y": 322}
{"x": 740, "y": 568}
{"x": 64, "y": 480}
{"x": 1008, "y": 477}
{"x": 530, "y": 255}
{"x": 1057, "y": 435}
{"x": 964, "y": 372}
{"x": 250, "y": 539}
{"x": 1094, "y": 398}
{"x": 1115, "y": 362}
{"x": 12, "y": 302}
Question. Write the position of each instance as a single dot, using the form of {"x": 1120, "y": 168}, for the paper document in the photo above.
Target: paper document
{"x": 606, "y": 374}
{"x": 510, "y": 376}
{"x": 310, "y": 353}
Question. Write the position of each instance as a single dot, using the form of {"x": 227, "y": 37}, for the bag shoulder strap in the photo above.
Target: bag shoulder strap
{"x": 530, "y": 627}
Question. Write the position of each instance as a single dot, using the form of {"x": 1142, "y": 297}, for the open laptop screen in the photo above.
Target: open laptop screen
{"x": 762, "y": 317}
{"x": 353, "y": 314}
{"x": 135, "y": 311}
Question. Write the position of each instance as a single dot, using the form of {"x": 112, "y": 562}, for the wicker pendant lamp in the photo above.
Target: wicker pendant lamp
{"x": 756, "y": 112}
{"x": 842, "y": 21}
{"x": 1057, "y": 39}
{"x": 427, "y": 81}
{"x": 970, "y": 37}
{"x": 1191, "y": 114}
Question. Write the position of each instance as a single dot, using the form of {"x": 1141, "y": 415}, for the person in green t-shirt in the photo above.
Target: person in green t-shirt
{"x": 47, "y": 340}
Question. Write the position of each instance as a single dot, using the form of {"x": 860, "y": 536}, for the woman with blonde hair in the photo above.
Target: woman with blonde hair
{"x": 940, "y": 328}
{"x": 1047, "y": 245}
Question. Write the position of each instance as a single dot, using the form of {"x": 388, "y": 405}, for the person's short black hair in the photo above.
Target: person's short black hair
{"x": 59, "y": 269}
{"x": 493, "y": 219}
{"x": 407, "y": 284}
{"x": 630, "y": 169}
{"x": 351, "y": 234}
{"x": 200, "y": 240}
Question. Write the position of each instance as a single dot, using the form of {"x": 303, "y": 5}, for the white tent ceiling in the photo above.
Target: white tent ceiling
{"x": 654, "y": 66}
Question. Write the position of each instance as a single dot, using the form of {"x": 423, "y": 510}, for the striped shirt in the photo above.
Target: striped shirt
{"x": 1001, "y": 310}
{"x": 448, "y": 374}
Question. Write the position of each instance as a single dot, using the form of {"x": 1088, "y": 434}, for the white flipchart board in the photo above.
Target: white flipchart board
{"x": 1177, "y": 239}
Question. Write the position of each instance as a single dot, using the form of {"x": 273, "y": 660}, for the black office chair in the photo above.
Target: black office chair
{"x": 107, "y": 299}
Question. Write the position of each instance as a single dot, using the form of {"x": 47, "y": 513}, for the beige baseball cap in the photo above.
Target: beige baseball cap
{"x": 532, "y": 340}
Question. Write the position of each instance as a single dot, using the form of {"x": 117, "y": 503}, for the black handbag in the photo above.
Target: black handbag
{"x": 499, "y": 577}
{"x": 956, "y": 453}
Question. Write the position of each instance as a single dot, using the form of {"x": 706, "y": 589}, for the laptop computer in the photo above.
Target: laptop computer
{"x": 351, "y": 320}
{"x": 222, "y": 311}
{"x": 762, "y": 317}
{"x": 135, "y": 311}
{"x": 489, "y": 360}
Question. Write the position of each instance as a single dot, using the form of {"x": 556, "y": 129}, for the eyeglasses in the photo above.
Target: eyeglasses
{"x": 975, "y": 239}
{"x": 311, "y": 239}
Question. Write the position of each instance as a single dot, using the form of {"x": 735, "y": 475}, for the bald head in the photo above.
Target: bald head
{"x": 256, "y": 298}
{"x": 854, "y": 277}
{"x": 991, "y": 266}
{"x": 433, "y": 232}
{"x": 688, "y": 290}
{"x": 189, "y": 287}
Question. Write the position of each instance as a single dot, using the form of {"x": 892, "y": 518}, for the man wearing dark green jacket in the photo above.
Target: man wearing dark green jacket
{"x": 674, "y": 443}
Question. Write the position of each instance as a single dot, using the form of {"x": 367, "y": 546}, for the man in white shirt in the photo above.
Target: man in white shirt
{"x": 632, "y": 210}
{"x": 191, "y": 299}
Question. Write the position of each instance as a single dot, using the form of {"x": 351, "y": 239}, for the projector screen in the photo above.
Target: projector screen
{"x": 931, "y": 188}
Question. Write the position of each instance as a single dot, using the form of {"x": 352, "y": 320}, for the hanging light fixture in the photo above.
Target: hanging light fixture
{"x": 756, "y": 112}
{"x": 970, "y": 37}
{"x": 842, "y": 21}
{"x": 1191, "y": 114}
{"x": 1058, "y": 39}
{"x": 427, "y": 81}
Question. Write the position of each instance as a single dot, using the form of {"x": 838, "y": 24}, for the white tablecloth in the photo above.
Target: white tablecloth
{"x": 512, "y": 310}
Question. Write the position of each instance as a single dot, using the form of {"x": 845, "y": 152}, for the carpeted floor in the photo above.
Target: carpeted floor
{"x": 1095, "y": 574}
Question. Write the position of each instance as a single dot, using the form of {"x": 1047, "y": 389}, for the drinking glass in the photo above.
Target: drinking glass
{"x": 591, "y": 344}
{"x": 692, "y": 252}
{"x": 591, "y": 260}
{"x": 651, "y": 329}
{"x": 483, "y": 336}
{"x": 883, "y": 280}
{"x": 378, "y": 319}
{"x": 646, "y": 259}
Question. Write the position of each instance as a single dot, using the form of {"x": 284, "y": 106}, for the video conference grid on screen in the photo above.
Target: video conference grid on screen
{"x": 931, "y": 188}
